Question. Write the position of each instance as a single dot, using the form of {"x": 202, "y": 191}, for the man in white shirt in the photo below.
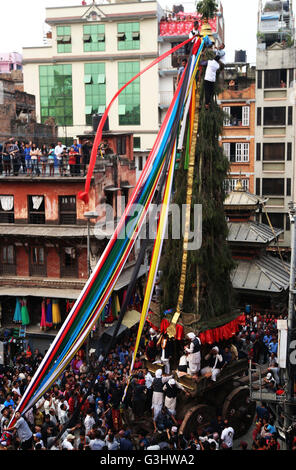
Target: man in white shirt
{"x": 210, "y": 79}
{"x": 68, "y": 443}
{"x": 59, "y": 151}
{"x": 89, "y": 421}
{"x": 227, "y": 436}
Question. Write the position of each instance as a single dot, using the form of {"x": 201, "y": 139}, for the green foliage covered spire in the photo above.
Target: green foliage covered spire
{"x": 208, "y": 291}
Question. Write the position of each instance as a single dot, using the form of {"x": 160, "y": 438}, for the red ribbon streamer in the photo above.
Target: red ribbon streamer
{"x": 84, "y": 195}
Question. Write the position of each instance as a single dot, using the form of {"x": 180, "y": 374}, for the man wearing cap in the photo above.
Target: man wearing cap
{"x": 157, "y": 396}
{"x": 193, "y": 353}
{"x": 170, "y": 392}
{"x": 215, "y": 362}
{"x": 68, "y": 443}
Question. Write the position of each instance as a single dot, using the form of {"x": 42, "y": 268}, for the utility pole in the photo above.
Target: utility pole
{"x": 291, "y": 314}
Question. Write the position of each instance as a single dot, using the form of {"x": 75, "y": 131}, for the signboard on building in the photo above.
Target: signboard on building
{"x": 282, "y": 326}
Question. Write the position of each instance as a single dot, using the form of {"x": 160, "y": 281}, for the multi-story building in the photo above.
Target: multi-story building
{"x": 238, "y": 102}
{"x": 94, "y": 50}
{"x": 275, "y": 112}
{"x": 44, "y": 234}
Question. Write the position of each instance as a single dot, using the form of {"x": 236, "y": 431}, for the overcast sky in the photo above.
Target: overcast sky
{"x": 22, "y": 23}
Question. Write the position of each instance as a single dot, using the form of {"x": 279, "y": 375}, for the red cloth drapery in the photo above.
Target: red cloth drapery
{"x": 182, "y": 28}
{"x": 209, "y": 336}
{"x": 222, "y": 332}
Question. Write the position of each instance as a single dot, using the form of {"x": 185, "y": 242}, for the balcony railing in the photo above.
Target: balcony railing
{"x": 7, "y": 269}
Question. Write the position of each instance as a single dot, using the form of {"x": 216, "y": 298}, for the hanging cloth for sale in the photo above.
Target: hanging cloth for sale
{"x": 17, "y": 317}
{"x": 56, "y": 314}
{"x": 48, "y": 313}
{"x": 43, "y": 316}
{"x": 25, "y": 313}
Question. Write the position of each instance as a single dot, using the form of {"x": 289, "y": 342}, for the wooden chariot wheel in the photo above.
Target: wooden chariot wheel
{"x": 239, "y": 410}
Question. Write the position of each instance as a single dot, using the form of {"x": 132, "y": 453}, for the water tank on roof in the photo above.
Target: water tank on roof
{"x": 240, "y": 56}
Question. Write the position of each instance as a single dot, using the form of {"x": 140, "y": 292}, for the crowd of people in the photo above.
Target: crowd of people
{"x": 85, "y": 409}
{"x": 28, "y": 158}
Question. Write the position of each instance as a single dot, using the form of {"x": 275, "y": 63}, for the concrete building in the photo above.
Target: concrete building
{"x": 275, "y": 112}
{"x": 94, "y": 50}
{"x": 238, "y": 101}
{"x": 10, "y": 61}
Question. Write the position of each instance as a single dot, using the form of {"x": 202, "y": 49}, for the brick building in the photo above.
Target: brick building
{"x": 43, "y": 233}
{"x": 17, "y": 113}
{"x": 238, "y": 139}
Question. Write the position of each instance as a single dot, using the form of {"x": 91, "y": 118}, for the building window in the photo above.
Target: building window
{"x": 128, "y": 36}
{"x": 275, "y": 116}
{"x": 137, "y": 142}
{"x": 37, "y": 261}
{"x": 121, "y": 145}
{"x": 129, "y": 99}
{"x": 276, "y": 219}
{"x": 140, "y": 163}
{"x": 94, "y": 38}
{"x": 288, "y": 188}
{"x": 275, "y": 78}
{"x": 259, "y": 114}
{"x": 290, "y": 115}
{"x": 95, "y": 90}
{"x": 178, "y": 55}
{"x": 67, "y": 210}
{"x": 64, "y": 41}
{"x": 36, "y": 208}
{"x": 56, "y": 93}
{"x": 69, "y": 262}
{"x": 258, "y": 187}
{"x": 259, "y": 79}
{"x": 7, "y": 259}
{"x": 237, "y": 115}
{"x": 236, "y": 152}
{"x": 274, "y": 152}
{"x": 289, "y": 151}
{"x": 6, "y": 209}
{"x": 230, "y": 184}
{"x": 258, "y": 152}
{"x": 273, "y": 186}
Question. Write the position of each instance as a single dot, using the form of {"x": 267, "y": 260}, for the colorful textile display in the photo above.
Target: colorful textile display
{"x": 43, "y": 316}
{"x": 48, "y": 313}
{"x": 56, "y": 315}
{"x": 25, "y": 313}
{"x": 98, "y": 289}
{"x": 17, "y": 317}
{"x": 222, "y": 332}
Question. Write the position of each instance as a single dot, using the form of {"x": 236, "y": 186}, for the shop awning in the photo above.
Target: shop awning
{"x": 131, "y": 318}
{"x": 70, "y": 294}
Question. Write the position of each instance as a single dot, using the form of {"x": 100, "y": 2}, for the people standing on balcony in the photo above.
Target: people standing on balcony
{"x": 59, "y": 151}
{"x": 6, "y": 159}
{"x": 51, "y": 159}
{"x": 77, "y": 149}
{"x": 35, "y": 154}
{"x": 43, "y": 159}
{"x": 27, "y": 152}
